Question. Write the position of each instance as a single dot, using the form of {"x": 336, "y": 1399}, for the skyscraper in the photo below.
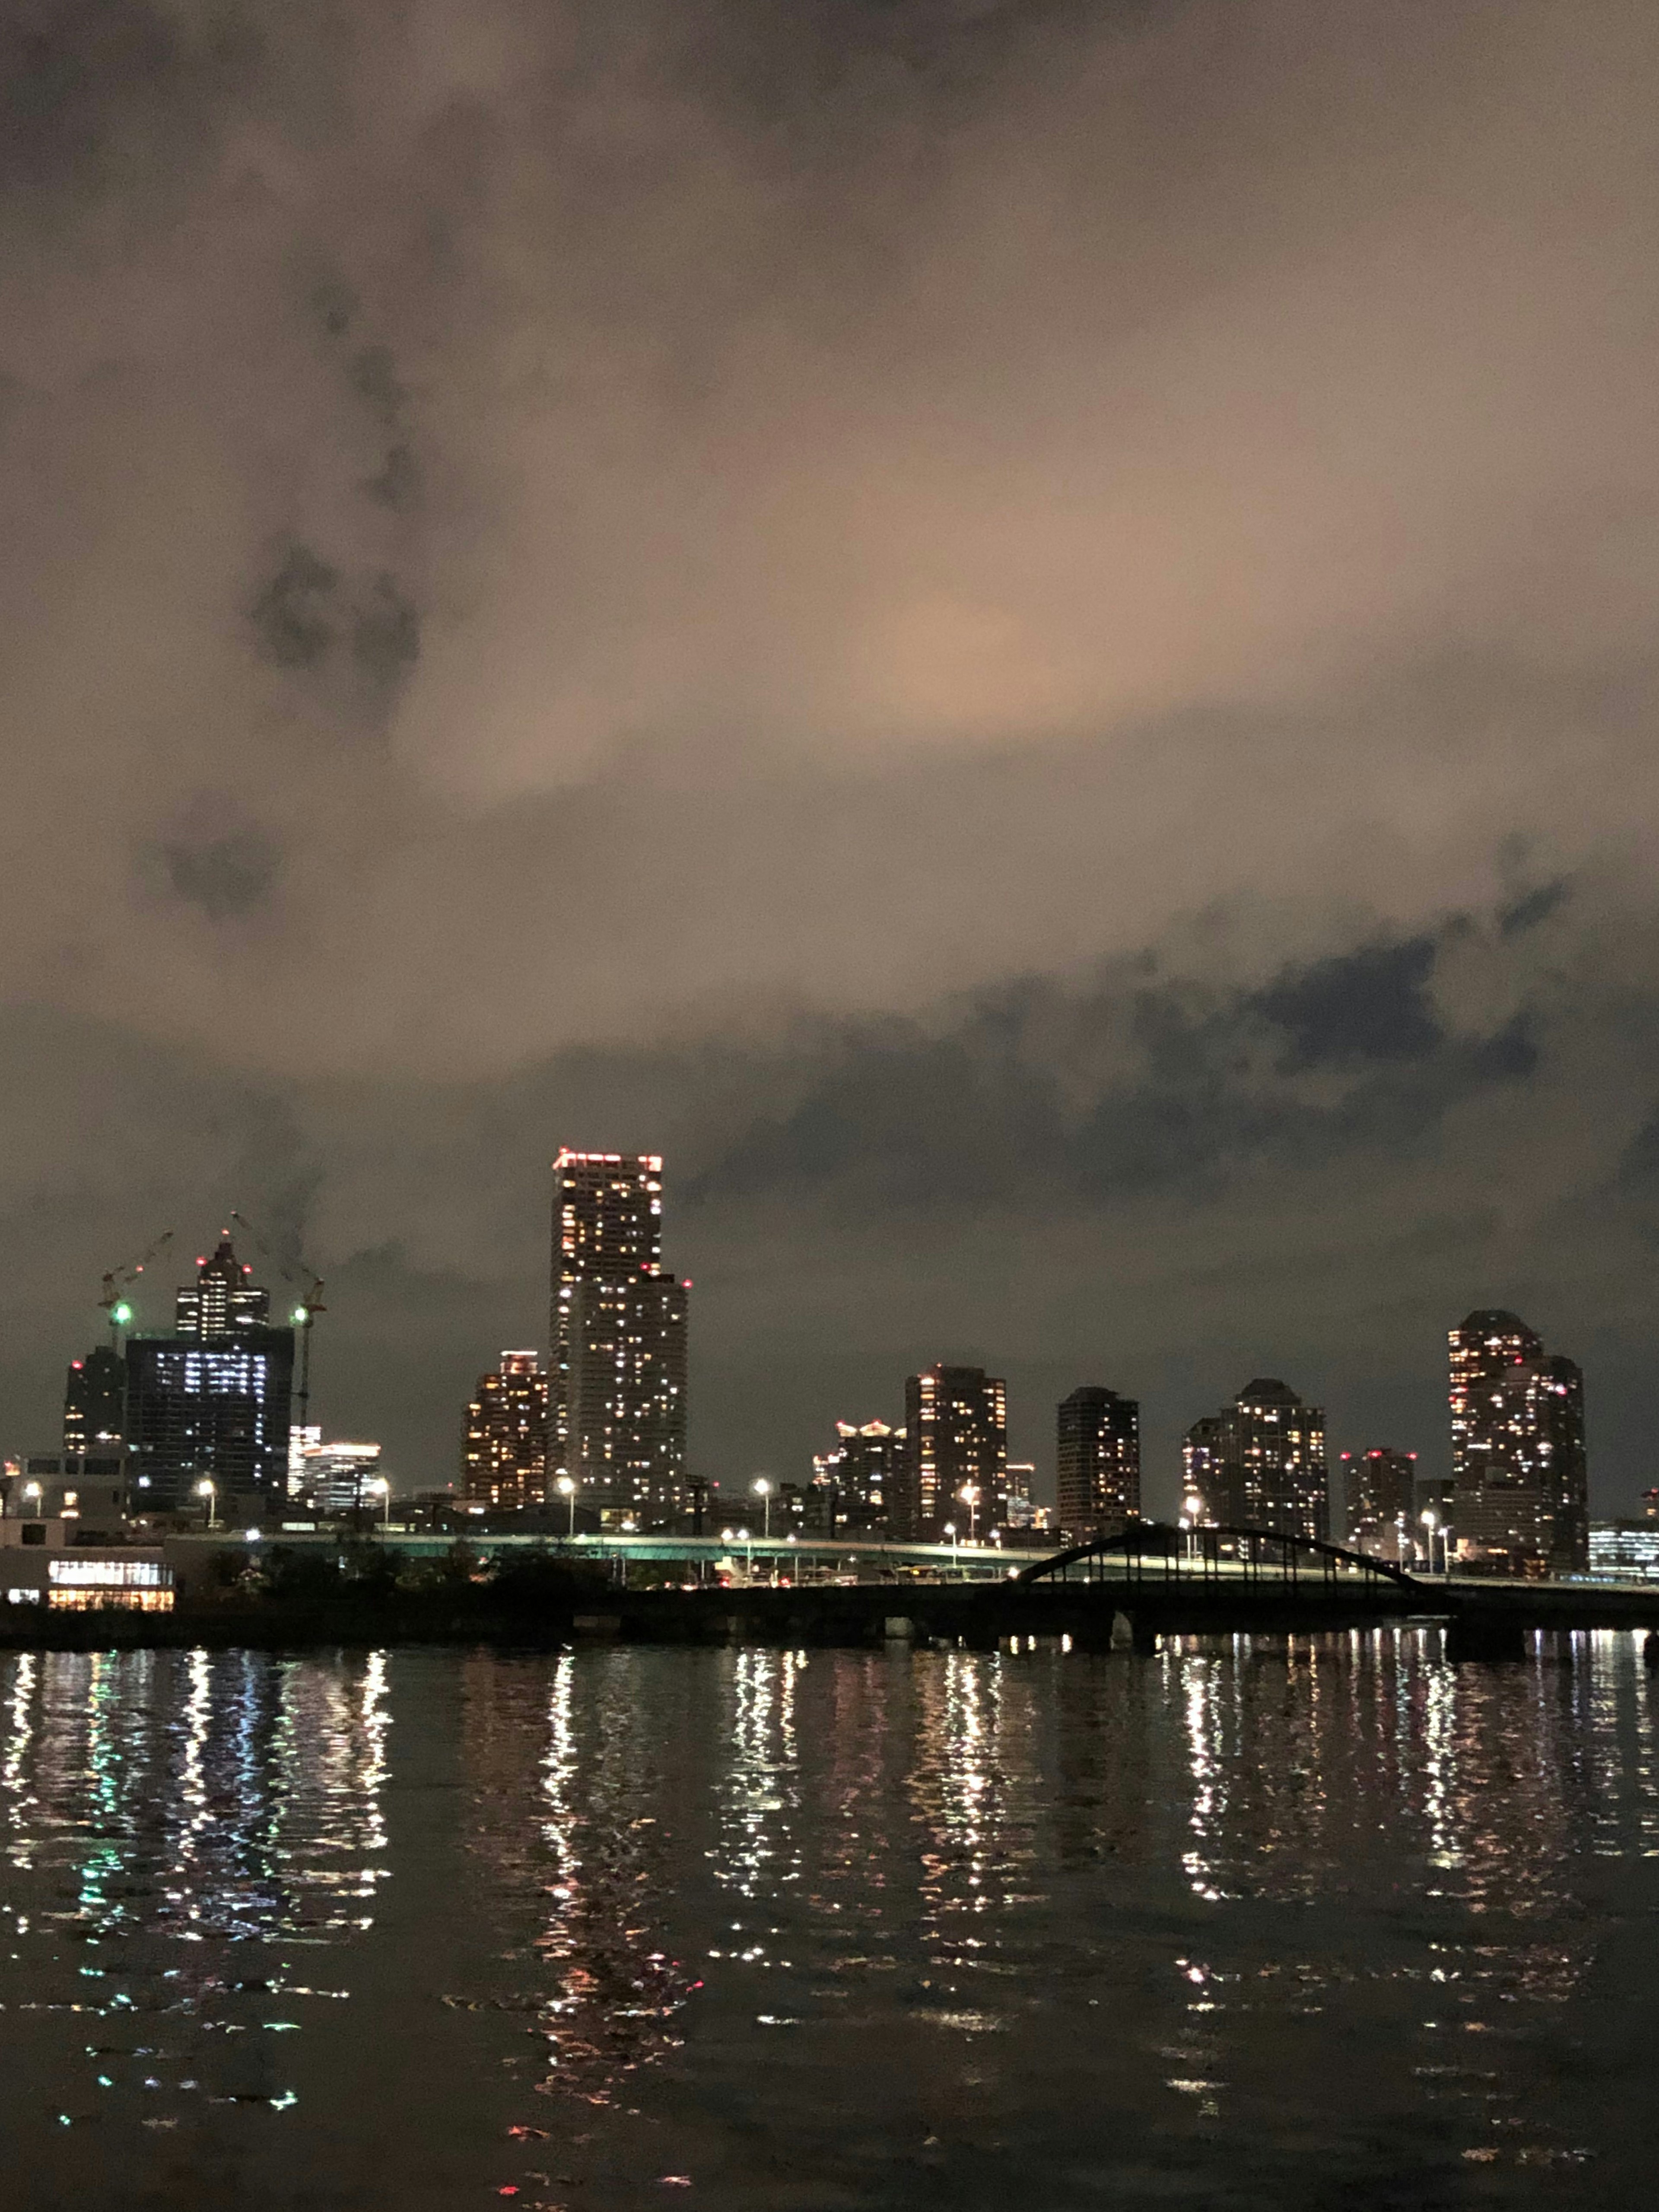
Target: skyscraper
{"x": 956, "y": 1426}
{"x": 1259, "y": 1463}
{"x": 504, "y": 1456}
{"x": 1520, "y": 1495}
{"x": 862, "y": 1472}
{"x": 617, "y": 1385}
{"x": 211, "y": 1402}
{"x": 95, "y": 1400}
{"x": 1098, "y": 1463}
{"x": 1380, "y": 1502}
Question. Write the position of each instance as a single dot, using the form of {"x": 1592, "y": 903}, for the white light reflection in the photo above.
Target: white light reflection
{"x": 1201, "y": 1717}
{"x": 14, "y": 1778}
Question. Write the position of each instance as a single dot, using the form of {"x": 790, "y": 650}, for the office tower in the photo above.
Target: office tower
{"x": 504, "y": 1456}
{"x": 340, "y": 1478}
{"x": 1379, "y": 1503}
{"x": 956, "y": 1426}
{"x": 94, "y": 1399}
{"x": 1259, "y": 1463}
{"x": 1098, "y": 1463}
{"x": 617, "y": 1385}
{"x": 221, "y": 1301}
{"x": 857, "y": 1479}
{"x": 211, "y": 1402}
{"x": 1520, "y": 1497}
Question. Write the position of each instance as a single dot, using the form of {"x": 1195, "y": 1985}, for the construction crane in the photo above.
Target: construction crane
{"x": 304, "y": 1315}
{"x": 118, "y": 1308}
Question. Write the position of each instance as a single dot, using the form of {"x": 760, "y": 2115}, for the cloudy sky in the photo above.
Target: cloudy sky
{"x": 1022, "y": 633}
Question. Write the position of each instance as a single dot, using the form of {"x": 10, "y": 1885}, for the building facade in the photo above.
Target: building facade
{"x": 617, "y": 1384}
{"x": 1259, "y": 1463}
{"x": 955, "y": 1427}
{"x": 338, "y": 1478}
{"x": 1520, "y": 1493}
{"x": 94, "y": 1399}
{"x": 504, "y": 1452}
{"x": 1098, "y": 1463}
{"x": 1379, "y": 1503}
{"x": 211, "y": 1403}
{"x": 856, "y": 1480}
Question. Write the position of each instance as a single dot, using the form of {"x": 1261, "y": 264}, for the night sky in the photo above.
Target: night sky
{"x": 1022, "y": 634}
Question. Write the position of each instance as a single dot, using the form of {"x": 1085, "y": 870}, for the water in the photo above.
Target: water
{"x": 1233, "y": 1927}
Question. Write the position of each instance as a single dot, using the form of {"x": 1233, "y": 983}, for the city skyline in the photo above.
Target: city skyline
{"x": 221, "y": 1301}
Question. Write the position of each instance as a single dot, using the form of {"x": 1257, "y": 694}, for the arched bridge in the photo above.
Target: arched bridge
{"x": 1153, "y": 1550}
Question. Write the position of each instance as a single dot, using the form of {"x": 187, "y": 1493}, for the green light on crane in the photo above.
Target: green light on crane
{"x": 299, "y": 1316}
{"x": 121, "y": 1315}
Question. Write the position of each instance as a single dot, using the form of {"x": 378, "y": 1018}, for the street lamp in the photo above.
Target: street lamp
{"x": 950, "y": 1531}
{"x": 566, "y": 1490}
{"x": 205, "y": 1489}
{"x": 763, "y": 1490}
{"x": 969, "y": 1494}
{"x": 381, "y": 1488}
{"x": 1431, "y": 1521}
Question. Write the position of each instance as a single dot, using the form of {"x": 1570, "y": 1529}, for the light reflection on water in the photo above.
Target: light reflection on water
{"x": 1252, "y": 1925}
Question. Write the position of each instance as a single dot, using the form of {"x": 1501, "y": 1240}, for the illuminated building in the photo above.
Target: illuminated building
{"x": 1519, "y": 1497}
{"x": 1380, "y": 1502}
{"x": 94, "y": 1399}
{"x": 1098, "y": 1463}
{"x": 857, "y": 1479}
{"x": 335, "y": 1478}
{"x": 1259, "y": 1463}
{"x": 504, "y": 1456}
{"x": 617, "y": 1386}
{"x": 211, "y": 1402}
{"x": 1624, "y": 1551}
{"x": 956, "y": 1424}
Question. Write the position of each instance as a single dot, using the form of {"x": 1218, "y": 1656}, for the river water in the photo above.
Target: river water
{"x": 1235, "y": 1926}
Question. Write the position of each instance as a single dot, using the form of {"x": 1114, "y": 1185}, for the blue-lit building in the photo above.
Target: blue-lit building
{"x": 212, "y": 1401}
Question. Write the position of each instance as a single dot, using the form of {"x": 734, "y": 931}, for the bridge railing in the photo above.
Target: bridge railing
{"x": 1155, "y": 1551}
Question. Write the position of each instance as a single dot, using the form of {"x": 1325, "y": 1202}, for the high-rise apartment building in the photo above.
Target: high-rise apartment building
{"x": 617, "y": 1384}
{"x": 95, "y": 1400}
{"x": 956, "y": 1426}
{"x": 1520, "y": 1493}
{"x": 211, "y": 1402}
{"x": 504, "y": 1453}
{"x": 1259, "y": 1463}
{"x": 1098, "y": 1463}
{"x": 857, "y": 1479}
{"x": 1379, "y": 1503}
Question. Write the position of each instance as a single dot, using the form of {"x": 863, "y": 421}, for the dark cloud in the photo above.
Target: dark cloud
{"x": 1369, "y": 1005}
{"x": 290, "y": 614}
{"x": 226, "y": 877}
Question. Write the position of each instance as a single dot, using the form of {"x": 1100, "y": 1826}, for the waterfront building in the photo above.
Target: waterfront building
{"x": 210, "y": 1403}
{"x": 859, "y": 1477}
{"x": 1624, "y": 1551}
{"x": 1520, "y": 1500}
{"x": 956, "y": 1425}
{"x": 617, "y": 1393}
{"x": 1098, "y": 1463}
{"x": 504, "y": 1452}
{"x": 85, "y": 1491}
{"x": 1259, "y": 1463}
{"x": 94, "y": 1399}
{"x": 338, "y": 1478}
{"x": 1380, "y": 1502}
